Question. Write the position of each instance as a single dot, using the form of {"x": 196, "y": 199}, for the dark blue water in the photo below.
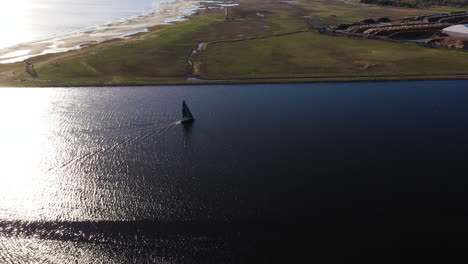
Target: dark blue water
{"x": 266, "y": 173}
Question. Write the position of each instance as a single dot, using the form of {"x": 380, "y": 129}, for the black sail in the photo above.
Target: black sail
{"x": 184, "y": 110}
{"x": 186, "y": 114}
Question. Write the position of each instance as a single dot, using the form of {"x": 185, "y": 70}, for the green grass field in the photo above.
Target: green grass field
{"x": 448, "y": 9}
{"x": 331, "y": 12}
{"x": 310, "y": 54}
{"x": 161, "y": 56}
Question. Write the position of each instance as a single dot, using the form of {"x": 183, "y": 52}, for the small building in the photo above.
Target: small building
{"x": 29, "y": 66}
{"x": 457, "y": 31}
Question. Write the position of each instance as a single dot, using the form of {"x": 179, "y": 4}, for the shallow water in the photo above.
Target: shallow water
{"x": 266, "y": 173}
{"x": 32, "y": 30}
{"x": 28, "y": 20}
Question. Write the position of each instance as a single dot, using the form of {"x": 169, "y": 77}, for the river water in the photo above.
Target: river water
{"x": 266, "y": 173}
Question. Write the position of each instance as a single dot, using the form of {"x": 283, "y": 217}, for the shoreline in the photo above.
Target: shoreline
{"x": 285, "y": 80}
{"x": 162, "y": 14}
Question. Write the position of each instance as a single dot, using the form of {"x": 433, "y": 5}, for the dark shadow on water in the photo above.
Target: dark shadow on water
{"x": 187, "y": 130}
{"x": 274, "y": 240}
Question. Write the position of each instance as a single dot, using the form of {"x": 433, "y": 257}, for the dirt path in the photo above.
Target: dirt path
{"x": 204, "y": 45}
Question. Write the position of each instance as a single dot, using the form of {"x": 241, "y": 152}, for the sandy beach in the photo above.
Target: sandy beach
{"x": 163, "y": 13}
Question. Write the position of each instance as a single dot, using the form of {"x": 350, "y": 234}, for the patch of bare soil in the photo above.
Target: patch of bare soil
{"x": 364, "y": 65}
{"x": 250, "y": 9}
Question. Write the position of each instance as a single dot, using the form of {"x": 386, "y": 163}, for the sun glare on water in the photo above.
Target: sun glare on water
{"x": 23, "y": 141}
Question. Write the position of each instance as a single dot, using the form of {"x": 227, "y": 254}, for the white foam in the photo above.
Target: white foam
{"x": 130, "y": 33}
{"x": 15, "y": 54}
{"x": 164, "y": 13}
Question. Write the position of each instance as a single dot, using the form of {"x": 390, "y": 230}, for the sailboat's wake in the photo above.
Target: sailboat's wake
{"x": 135, "y": 128}
{"x": 140, "y": 126}
{"x": 146, "y": 135}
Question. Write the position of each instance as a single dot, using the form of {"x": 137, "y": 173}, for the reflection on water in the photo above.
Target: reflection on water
{"x": 66, "y": 154}
{"x": 24, "y": 150}
{"x": 109, "y": 175}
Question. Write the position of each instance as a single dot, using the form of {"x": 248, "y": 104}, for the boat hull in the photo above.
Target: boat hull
{"x": 187, "y": 121}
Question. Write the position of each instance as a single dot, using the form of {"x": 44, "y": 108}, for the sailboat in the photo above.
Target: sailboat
{"x": 186, "y": 114}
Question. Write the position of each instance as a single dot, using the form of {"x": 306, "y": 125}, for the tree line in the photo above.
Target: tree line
{"x": 418, "y": 3}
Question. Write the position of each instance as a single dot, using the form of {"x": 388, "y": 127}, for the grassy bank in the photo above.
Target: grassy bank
{"x": 244, "y": 49}
{"x": 159, "y": 56}
{"x": 310, "y": 54}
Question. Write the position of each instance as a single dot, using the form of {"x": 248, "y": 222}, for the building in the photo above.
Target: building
{"x": 457, "y": 31}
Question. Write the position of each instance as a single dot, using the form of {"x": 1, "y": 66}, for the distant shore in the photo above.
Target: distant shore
{"x": 260, "y": 41}
{"x": 164, "y": 13}
{"x": 267, "y": 81}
